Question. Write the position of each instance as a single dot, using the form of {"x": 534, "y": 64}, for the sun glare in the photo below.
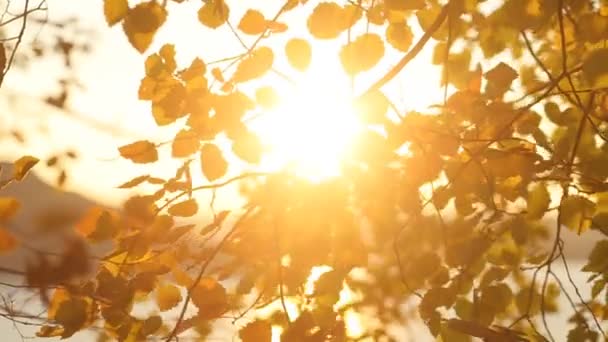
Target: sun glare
{"x": 311, "y": 128}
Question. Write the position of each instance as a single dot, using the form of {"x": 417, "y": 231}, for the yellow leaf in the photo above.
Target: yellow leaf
{"x": 142, "y": 22}
{"x": 372, "y": 107}
{"x": 8, "y": 242}
{"x": 299, "y": 53}
{"x": 256, "y": 331}
{"x": 8, "y": 207}
{"x": 327, "y": 21}
{"x": 538, "y": 201}
{"x": 115, "y": 10}
{"x": 186, "y": 142}
{"x": 23, "y": 166}
{"x": 167, "y": 52}
{"x": 248, "y": 147}
{"x": 140, "y": 152}
{"x": 167, "y": 297}
{"x": 184, "y": 209}
{"x": 214, "y": 13}
{"x": 210, "y": 298}
{"x": 404, "y": 5}
{"x": 595, "y": 68}
{"x": 213, "y": 164}
{"x": 576, "y": 213}
{"x": 362, "y": 54}
{"x": 254, "y": 65}
{"x": 60, "y": 295}
{"x": 134, "y": 182}
{"x": 399, "y": 35}
{"x": 266, "y": 97}
{"x": 253, "y": 22}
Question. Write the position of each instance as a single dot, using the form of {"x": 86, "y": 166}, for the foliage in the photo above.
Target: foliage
{"x": 456, "y": 225}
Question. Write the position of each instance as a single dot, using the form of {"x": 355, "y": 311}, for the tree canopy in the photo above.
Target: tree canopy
{"x": 456, "y": 214}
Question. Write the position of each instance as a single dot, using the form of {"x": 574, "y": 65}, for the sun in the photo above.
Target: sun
{"x": 311, "y": 128}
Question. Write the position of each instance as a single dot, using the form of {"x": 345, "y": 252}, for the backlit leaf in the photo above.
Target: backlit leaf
{"x": 577, "y": 213}
{"x": 538, "y": 201}
{"x": 151, "y": 325}
{"x": 326, "y": 20}
{"x": 256, "y": 331}
{"x": 595, "y": 68}
{"x": 254, "y": 65}
{"x": 210, "y": 298}
{"x": 404, "y": 5}
{"x": 248, "y": 147}
{"x": 23, "y": 166}
{"x": 267, "y": 97}
{"x": 186, "y": 143}
{"x": 115, "y": 10}
{"x": 134, "y": 182}
{"x": 214, "y": 13}
{"x": 140, "y": 152}
{"x": 8, "y": 207}
{"x": 184, "y": 209}
{"x": 499, "y": 79}
{"x": 253, "y": 22}
{"x": 8, "y": 242}
{"x": 299, "y": 53}
{"x": 362, "y": 54}
{"x": 142, "y": 22}
{"x": 167, "y": 297}
{"x": 399, "y": 35}
{"x": 213, "y": 164}
{"x": 72, "y": 315}
{"x": 372, "y": 107}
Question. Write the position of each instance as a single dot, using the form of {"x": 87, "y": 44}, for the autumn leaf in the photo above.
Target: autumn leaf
{"x": 134, "y": 182}
{"x": 185, "y": 143}
{"x": 8, "y": 208}
{"x": 115, "y": 10}
{"x": 372, "y": 107}
{"x": 210, "y": 298}
{"x": 326, "y": 20}
{"x": 256, "y": 331}
{"x": 267, "y": 97}
{"x": 253, "y": 22}
{"x": 8, "y": 242}
{"x": 255, "y": 65}
{"x": 140, "y": 152}
{"x": 72, "y": 315}
{"x": 538, "y": 201}
{"x": 499, "y": 79}
{"x": 362, "y": 54}
{"x": 399, "y": 36}
{"x": 577, "y": 213}
{"x": 142, "y": 22}
{"x": 167, "y": 297}
{"x": 248, "y": 147}
{"x": 184, "y": 209}
{"x": 595, "y": 68}
{"x": 299, "y": 53}
{"x": 23, "y": 166}
{"x": 213, "y": 164}
{"x": 214, "y": 13}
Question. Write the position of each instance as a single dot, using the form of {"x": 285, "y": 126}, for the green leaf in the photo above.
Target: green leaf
{"x": 576, "y": 213}
{"x": 23, "y": 165}
{"x": 595, "y": 68}
{"x": 538, "y": 201}
{"x": 184, "y": 209}
{"x": 362, "y": 54}
{"x": 299, "y": 53}
{"x": 214, "y": 13}
{"x": 139, "y": 152}
{"x": 213, "y": 164}
{"x": 115, "y": 10}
